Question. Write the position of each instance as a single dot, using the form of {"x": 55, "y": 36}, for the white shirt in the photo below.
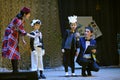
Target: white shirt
{"x": 87, "y": 55}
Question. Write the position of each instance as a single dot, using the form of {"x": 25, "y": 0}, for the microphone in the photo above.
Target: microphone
{"x": 77, "y": 35}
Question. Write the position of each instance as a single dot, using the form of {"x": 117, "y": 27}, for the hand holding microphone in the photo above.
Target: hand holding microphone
{"x": 77, "y": 36}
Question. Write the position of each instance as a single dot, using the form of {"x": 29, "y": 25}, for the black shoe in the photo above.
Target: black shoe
{"x": 42, "y": 76}
{"x": 84, "y": 72}
{"x": 84, "y": 75}
{"x": 89, "y": 73}
{"x": 15, "y": 71}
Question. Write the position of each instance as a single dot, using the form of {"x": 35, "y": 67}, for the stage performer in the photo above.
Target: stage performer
{"x": 86, "y": 57}
{"x": 37, "y": 48}
{"x": 14, "y": 30}
{"x": 69, "y": 46}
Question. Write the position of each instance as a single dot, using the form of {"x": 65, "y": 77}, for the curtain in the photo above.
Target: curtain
{"x": 106, "y": 14}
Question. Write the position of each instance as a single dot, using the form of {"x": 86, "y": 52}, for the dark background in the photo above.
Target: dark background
{"x": 106, "y": 13}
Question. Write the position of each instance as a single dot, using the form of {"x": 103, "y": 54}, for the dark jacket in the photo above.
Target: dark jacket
{"x": 67, "y": 40}
{"x": 82, "y": 45}
{"x": 32, "y": 42}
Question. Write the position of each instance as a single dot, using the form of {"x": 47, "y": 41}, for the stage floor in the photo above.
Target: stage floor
{"x": 105, "y": 73}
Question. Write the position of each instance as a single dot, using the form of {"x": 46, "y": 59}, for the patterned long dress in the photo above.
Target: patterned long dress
{"x": 10, "y": 41}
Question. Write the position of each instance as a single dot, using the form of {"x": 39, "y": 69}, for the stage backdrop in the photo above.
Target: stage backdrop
{"x": 84, "y": 21}
{"x": 47, "y": 12}
{"x": 106, "y": 14}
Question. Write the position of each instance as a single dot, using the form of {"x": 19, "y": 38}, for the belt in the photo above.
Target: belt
{"x": 39, "y": 46}
{"x": 87, "y": 56}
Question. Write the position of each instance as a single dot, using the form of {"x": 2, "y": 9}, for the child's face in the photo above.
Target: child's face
{"x": 73, "y": 26}
{"x": 37, "y": 26}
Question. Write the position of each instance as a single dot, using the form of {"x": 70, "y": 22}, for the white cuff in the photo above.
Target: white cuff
{"x": 43, "y": 52}
{"x": 63, "y": 50}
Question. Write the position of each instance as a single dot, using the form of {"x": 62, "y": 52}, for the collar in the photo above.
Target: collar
{"x": 71, "y": 31}
{"x": 87, "y": 39}
{"x": 36, "y": 31}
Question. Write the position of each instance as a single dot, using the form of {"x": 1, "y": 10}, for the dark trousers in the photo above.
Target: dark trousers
{"x": 89, "y": 65}
{"x": 14, "y": 65}
{"x": 86, "y": 67}
{"x": 68, "y": 60}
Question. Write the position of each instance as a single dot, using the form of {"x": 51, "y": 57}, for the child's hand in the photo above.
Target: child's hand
{"x": 34, "y": 52}
{"x": 63, "y": 50}
{"x": 43, "y": 52}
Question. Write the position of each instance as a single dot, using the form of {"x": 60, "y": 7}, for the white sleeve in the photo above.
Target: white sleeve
{"x": 32, "y": 36}
{"x": 40, "y": 35}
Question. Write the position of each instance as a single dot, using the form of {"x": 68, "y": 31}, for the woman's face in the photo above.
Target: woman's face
{"x": 27, "y": 16}
{"x": 73, "y": 26}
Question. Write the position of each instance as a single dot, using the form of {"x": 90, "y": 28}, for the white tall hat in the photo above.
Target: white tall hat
{"x": 35, "y": 21}
{"x": 72, "y": 19}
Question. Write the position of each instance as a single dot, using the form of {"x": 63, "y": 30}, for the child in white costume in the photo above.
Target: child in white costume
{"x": 37, "y": 48}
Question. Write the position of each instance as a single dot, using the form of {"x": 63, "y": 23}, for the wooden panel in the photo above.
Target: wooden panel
{"x": 47, "y": 12}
